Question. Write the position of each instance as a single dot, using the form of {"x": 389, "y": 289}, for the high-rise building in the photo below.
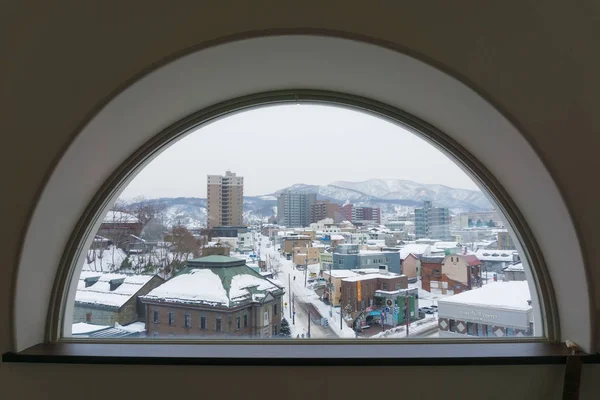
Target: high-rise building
{"x": 225, "y": 200}
{"x": 294, "y": 209}
{"x": 361, "y": 215}
{"x": 324, "y": 209}
{"x": 432, "y": 222}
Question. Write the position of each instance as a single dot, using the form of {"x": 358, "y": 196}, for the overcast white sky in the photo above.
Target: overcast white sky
{"x": 278, "y": 146}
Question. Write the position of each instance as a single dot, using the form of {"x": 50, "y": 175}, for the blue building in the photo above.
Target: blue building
{"x": 349, "y": 256}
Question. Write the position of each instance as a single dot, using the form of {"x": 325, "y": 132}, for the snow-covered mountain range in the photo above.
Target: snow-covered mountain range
{"x": 395, "y": 191}
{"x": 393, "y": 196}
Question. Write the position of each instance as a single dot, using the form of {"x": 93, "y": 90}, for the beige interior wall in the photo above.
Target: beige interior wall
{"x": 537, "y": 61}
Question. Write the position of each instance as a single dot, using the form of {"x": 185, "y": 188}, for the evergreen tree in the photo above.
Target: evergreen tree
{"x": 491, "y": 224}
{"x": 285, "y": 328}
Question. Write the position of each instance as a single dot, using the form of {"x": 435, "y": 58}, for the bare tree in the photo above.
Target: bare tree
{"x": 274, "y": 265}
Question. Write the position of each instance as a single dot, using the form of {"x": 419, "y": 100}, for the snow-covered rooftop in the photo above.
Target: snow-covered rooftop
{"x": 100, "y": 294}
{"x": 199, "y": 286}
{"x": 81, "y": 328}
{"x": 495, "y": 255}
{"x": 514, "y": 268}
{"x": 341, "y": 273}
{"x": 370, "y": 276}
{"x": 416, "y": 249}
{"x": 510, "y": 295}
{"x": 207, "y": 287}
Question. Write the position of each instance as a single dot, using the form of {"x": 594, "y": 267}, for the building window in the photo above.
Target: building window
{"x": 88, "y": 317}
{"x": 237, "y": 323}
{"x": 218, "y": 325}
{"x": 155, "y": 316}
{"x": 202, "y": 322}
{"x": 188, "y": 321}
{"x": 245, "y": 320}
{"x": 275, "y": 309}
{"x": 171, "y": 318}
{"x": 452, "y": 325}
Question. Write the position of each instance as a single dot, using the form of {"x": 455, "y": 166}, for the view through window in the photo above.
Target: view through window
{"x": 302, "y": 221}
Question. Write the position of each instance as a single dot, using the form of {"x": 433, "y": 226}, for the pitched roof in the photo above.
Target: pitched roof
{"x": 471, "y": 259}
{"x": 99, "y": 293}
{"x": 215, "y": 281}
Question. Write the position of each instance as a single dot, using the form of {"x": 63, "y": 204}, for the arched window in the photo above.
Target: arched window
{"x": 442, "y": 121}
{"x": 183, "y": 238}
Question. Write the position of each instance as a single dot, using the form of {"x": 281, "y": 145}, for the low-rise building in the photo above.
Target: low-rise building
{"x": 306, "y": 255}
{"x": 451, "y": 274}
{"x": 358, "y": 292}
{"x": 349, "y": 256}
{"x": 514, "y": 272}
{"x": 498, "y": 309}
{"x": 106, "y": 299}
{"x": 496, "y": 260}
{"x": 288, "y": 243}
{"x": 215, "y": 296}
{"x": 334, "y": 278}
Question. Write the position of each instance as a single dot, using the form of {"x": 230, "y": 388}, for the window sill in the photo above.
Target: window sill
{"x": 302, "y": 354}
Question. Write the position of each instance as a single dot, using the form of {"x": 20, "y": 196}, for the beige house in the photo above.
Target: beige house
{"x": 290, "y": 242}
{"x": 225, "y": 200}
{"x": 410, "y": 266}
{"x": 300, "y": 255}
{"x": 335, "y": 277}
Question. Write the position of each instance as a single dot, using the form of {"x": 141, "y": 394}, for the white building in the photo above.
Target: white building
{"x": 498, "y": 309}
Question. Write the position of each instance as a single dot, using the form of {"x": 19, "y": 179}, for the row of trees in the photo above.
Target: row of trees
{"x": 162, "y": 249}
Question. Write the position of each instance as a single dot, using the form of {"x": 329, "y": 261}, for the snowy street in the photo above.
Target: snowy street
{"x": 303, "y": 297}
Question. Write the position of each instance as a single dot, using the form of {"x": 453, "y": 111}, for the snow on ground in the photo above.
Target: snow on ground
{"x": 306, "y": 295}
{"x": 416, "y": 329}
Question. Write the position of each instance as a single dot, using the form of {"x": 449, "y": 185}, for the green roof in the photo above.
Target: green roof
{"x": 216, "y": 262}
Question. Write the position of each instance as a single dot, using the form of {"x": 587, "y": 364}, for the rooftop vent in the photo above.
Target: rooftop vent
{"x": 115, "y": 283}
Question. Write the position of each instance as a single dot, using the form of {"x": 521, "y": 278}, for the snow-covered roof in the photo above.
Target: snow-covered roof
{"x": 119, "y": 217}
{"x": 370, "y": 276}
{"x": 240, "y": 283}
{"x": 340, "y": 273}
{"x": 509, "y": 295}
{"x": 198, "y": 286}
{"x": 226, "y": 286}
{"x": 518, "y": 267}
{"x": 416, "y": 249}
{"x": 446, "y": 245}
{"x": 81, "y": 328}
{"x": 495, "y": 255}
{"x": 133, "y": 327}
{"x": 100, "y": 294}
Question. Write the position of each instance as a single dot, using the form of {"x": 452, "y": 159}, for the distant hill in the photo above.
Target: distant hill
{"x": 393, "y": 196}
{"x": 396, "y": 191}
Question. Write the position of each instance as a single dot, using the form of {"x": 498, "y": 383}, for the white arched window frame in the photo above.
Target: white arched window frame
{"x": 157, "y": 107}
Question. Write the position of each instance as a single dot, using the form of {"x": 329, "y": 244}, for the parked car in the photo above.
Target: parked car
{"x": 427, "y": 310}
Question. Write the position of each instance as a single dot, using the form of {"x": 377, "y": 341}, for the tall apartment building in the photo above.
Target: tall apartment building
{"x": 361, "y": 215}
{"x": 322, "y": 209}
{"x": 225, "y": 200}
{"x": 294, "y": 209}
{"x": 432, "y": 222}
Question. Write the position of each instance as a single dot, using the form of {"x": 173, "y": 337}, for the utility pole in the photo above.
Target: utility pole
{"x": 294, "y": 309}
{"x": 406, "y": 313}
{"x": 308, "y": 335}
{"x": 305, "y": 267}
{"x": 290, "y": 293}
